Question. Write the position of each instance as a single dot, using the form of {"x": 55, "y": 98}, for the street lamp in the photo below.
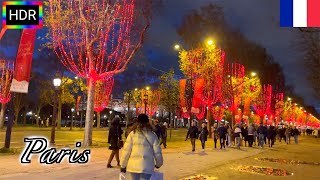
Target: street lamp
{"x": 210, "y": 42}
{"x": 253, "y": 74}
{"x": 56, "y": 83}
{"x": 177, "y": 47}
{"x": 71, "y": 124}
{"x": 289, "y": 99}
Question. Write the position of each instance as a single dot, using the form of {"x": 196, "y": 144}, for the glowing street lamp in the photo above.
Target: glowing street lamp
{"x": 56, "y": 83}
{"x": 289, "y": 99}
{"x": 210, "y": 42}
{"x": 177, "y": 47}
{"x": 253, "y": 74}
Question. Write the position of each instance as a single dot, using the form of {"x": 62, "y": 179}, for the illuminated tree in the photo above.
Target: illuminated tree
{"x": 277, "y": 105}
{"x": 96, "y": 39}
{"x": 6, "y": 72}
{"x": 232, "y": 88}
{"x": 147, "y": 100}
{"x": 263, "y": 104}
{"x": 205, "y": 62}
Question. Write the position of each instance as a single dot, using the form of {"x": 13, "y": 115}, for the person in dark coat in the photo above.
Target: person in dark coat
{"x": 164, "y": 134}
{"x": 114, "y": 137}
{"x": 193, "y": 133}
{"x": 271, "y": 134}
{"x": 222, "y": 131}
{"x": 157, "y": 129}
{"x": 203, "y": 135}
{"x": 261, "y": 132}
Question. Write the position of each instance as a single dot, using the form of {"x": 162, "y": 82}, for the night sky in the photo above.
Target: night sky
{"x": 257, "y": 19}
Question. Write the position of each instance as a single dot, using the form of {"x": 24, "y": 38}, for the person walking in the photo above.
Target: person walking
{"x": 215, "y": 134}
{"x": 261, "y": 132}
{"x": 203, "y": 136}
{"x": 164, "y": 135}
{"x": 157, "y": 129}
{"x": 237, "y": 135}
{"x": 115, "y": 140}
{"x": 296, "y": 133}
{"x": 193, "y": 133}
{"x": 228, "y": 135}
{"x": 271, "y": 133}
{"x": 244, "y": 133}
{"x": 251, "y": 131}
{"x": 222, "y": 131}
{"x": 141, "y": 152}
{"x": 288, "y": 134}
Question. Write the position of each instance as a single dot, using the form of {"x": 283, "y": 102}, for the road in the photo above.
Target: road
{"x": 179, "y": 163}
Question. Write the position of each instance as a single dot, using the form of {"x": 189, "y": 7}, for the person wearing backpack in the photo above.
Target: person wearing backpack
{"x": 141, "y": 152}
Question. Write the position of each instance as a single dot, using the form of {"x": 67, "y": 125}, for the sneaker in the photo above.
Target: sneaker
{"x": 109, "y": 166}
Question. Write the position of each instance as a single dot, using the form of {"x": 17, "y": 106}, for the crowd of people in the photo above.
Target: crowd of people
{"x": 243, "y": 135}
{"x": 142, "y": 153}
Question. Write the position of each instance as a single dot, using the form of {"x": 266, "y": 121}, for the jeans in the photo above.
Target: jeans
{"x": 222, "y": 138}
{"x": 140, "y": 176}
{"x": 203, "y": 144}
{"x": 261, "y": 140}
{"x": 296, "y": 139}
{"x": 250, "y": 139}
{"x": 193, "y": 143}
{"x": 288, "y": 139}
{"x": 237, "y": 141}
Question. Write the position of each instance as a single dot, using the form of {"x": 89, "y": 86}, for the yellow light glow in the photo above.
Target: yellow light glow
{"x": 289, "y": 99}
{"x": 147, "y": 88}
{"x": 210, "y": 42}
{"x": 136, "y": 89}
{"x": 177, "y": 47}
{"x": 253, "y": 74}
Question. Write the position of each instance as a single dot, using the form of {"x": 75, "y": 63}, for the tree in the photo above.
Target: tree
{"x": 169, "y": 91}
{"x": 97, "y": 39}
{"x": 310, "y": 48}
{"x": 6, "y": 72}
{"x": 19, "y": 101}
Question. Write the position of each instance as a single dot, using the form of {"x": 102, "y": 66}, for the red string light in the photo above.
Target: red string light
{"x": 6, "y": 71}
{"x": 102, "y": 94}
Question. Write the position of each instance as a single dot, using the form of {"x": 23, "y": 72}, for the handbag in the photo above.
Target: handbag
{"x": 120, "y": 141}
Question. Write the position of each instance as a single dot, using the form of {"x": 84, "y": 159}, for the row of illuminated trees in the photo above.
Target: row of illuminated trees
{"x": 213, "y": 88}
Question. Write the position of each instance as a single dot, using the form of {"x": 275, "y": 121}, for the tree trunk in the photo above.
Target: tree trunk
{"x": 209, "y": 119}
{"x": 25, "y": 117}
{"x": 59, "y": 112}
{"x": 16, "y": 117}
{"x": 87, "y": 141}
{"x": 170, "y": 122}
{"x": 3, "y": 109}
{"x": 37, "y": 117}
{"x": 71, "y": 124}
{"x": 98, "y": 120}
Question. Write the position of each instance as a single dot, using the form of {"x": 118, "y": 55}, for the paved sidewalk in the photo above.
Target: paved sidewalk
{"x": 177, "y": 164}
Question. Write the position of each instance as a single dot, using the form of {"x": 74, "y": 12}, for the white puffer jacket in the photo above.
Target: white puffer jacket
{"x": 138, "y": 156}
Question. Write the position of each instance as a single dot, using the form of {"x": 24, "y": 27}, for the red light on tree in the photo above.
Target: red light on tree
{"x": 263, "y": 104}
{"x": 96, "y": 39}
{"x": 6, "y": 72}
{"x": 102, "y": 94}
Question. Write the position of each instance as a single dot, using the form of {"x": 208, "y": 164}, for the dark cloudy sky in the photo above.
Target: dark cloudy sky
{"x": 257, "y": 19}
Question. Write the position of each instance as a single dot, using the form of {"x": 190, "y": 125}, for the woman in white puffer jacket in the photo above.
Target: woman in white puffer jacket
{"x": 141, "y": 152}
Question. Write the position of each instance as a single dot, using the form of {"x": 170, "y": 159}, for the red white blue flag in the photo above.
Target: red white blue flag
{"x": 300, "y": 13}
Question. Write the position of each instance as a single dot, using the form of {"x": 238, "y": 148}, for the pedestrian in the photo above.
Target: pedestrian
{"x": 295, "y": 134}
{"x": 141, "y": 151}
{"x": 164, "y": 135}
{"x": 222, "y": 135}
{"x": 251, "y": 132}
{"x": 157, "y": 129}
{"x": 203, "y": 136}
{"x": 271, "y": 133}
{"x": 315, "y": 133}
{"x": 256, "y": 136}
{"x": 193, "y": 133}
{"x": 261, "y": 132}
{"x": 283, "y": 134}
{"x": 244, "y": 133}
{"x": 47, "y": 122}
{"x": 115, "y": 140}
{"x": 237, "y": 136}
{"x": 228, "y": 135}
{"x": 265, "y": 134}
{"x": 288, "y": 134}
{"x": 215, "y": 134}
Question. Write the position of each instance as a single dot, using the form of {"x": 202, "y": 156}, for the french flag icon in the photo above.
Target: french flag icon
{"x": 300, "y": 13}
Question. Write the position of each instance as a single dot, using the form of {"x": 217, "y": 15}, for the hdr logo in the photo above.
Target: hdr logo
{"x": 21, "y": 15}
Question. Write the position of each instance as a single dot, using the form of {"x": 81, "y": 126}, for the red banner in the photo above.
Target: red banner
{"x": 2, "y": 33}
{"x": 21, "y": 77}
{"x": 183, "y": 104}
{"x": 197, "y": 97}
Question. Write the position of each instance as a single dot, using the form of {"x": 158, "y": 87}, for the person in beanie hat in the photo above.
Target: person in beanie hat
{"x": 141, "y": 151}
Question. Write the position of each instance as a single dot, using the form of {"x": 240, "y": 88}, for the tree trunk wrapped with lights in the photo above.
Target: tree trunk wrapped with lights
{"x": 277, "y": 106}
{"x": 6, "y": 72}
{"x": 263, "y": 104}
{"x": 96, "y": 39}
{"x": 232, "y": 87}
{"x": 102, "y": 94}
